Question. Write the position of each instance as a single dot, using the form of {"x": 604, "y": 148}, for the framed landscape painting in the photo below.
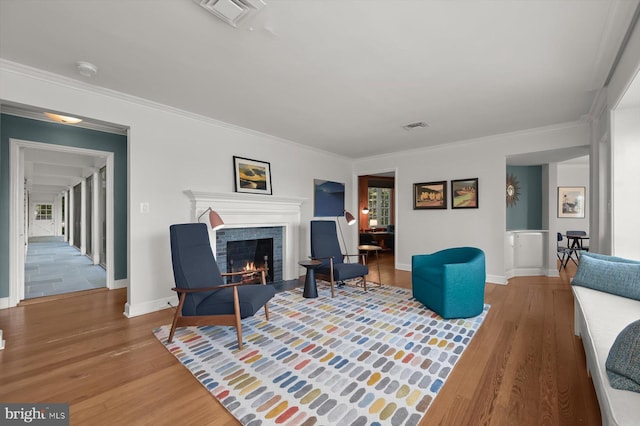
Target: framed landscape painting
{"x": 464, "y": 194}
{"x": 252, "y": 176}
{"x": 430, "y": 195}
{"x": 571, "y": 201}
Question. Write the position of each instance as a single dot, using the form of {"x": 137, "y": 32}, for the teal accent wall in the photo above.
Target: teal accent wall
{"x": 527, "y": 213}
{"x": 12, "y": 127}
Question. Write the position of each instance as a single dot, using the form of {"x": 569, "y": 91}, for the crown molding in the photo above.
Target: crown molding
{"x": 481, "y": 139}
{"x": 50, "y": 77}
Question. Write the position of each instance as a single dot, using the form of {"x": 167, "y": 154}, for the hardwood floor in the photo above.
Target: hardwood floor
{"x": 524, "y": 367}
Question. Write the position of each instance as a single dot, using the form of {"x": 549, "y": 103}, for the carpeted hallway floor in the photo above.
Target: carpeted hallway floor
{"x": 53, "y": 267}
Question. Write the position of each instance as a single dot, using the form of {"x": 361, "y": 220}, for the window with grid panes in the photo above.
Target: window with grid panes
{"x": 43, "y": 211}
{"x": 380, "y": 205}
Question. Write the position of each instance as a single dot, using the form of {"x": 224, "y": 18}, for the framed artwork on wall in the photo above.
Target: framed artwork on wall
{"x": 328, "y": 198}
{"x": 464, "y": 193}
{"x": 430, "y": 195}
{"x": 252, "y": 176}
{"x": 571, "y": 201}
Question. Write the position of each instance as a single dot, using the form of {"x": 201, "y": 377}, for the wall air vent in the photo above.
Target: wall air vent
{"x": 232, "y": 11}
{"x": 415, "y": 125}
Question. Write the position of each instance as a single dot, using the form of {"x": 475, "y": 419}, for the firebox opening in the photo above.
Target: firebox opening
{"x": 247, "y": 255}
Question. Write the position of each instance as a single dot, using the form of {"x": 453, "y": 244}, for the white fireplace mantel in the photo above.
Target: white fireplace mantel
{"x": 239, "y": 210}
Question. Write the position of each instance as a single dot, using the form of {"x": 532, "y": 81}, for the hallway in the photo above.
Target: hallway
{"x": 54, "y": 267}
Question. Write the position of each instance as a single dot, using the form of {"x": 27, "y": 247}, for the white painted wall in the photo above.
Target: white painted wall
{"x": 169, "y": 152}
{"x": 426, "y": 231}
{"x": 626, "y": 181}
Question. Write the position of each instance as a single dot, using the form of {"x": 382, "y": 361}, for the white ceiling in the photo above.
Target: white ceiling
{"x": 343, "y": 76}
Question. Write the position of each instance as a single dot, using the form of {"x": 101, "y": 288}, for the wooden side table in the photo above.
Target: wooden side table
{"x": 371, "y": 248}
{"x": 310, "y": 286}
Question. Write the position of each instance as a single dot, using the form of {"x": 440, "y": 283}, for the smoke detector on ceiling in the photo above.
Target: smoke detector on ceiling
{"x": 232, "y": 11}
{"x": 86, "y": 69}
{"x": 416, "y": 125}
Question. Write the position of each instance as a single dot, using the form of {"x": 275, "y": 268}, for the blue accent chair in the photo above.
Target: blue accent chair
{"x": 326, "y": 248}
{"x": 450, "y": 282}
{"x": 204, "y": 298}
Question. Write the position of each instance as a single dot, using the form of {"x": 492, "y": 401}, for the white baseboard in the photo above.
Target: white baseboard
{"x": 1, "y": 340}
{"x": 526, "y": 272}
{"x": 553, "y": 273}
{"x": 497, "y": 279}
{"x": 148, "y": 307}
{"x": 4, "y": 302}
{"x": 403, "y": 267}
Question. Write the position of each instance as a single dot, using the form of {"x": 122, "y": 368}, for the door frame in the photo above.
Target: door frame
{"x": 17, "y": 252}
{"x": 355, "y": 192}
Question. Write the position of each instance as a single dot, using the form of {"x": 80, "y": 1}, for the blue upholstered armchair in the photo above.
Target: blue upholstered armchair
{"x": 326, "y": 248}
{"x": 450, "y": 282}
{"x": 204, "y": 299}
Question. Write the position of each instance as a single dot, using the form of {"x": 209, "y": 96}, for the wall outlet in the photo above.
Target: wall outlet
{"x": 144, "y": 207}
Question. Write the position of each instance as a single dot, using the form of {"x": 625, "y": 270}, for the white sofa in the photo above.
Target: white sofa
{"x": 599, "y": 318}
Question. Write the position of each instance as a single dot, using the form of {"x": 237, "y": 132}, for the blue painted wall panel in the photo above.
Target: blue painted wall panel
{"x": 527, "y": 213}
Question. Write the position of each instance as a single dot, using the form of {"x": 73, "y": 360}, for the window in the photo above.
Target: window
{"x": 380, "y": 205}
{"x": 43, "y": 212}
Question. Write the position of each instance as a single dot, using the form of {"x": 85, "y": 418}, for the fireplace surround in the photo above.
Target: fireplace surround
{"x": 241, "y": 211}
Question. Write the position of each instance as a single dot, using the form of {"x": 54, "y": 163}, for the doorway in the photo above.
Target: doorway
{"x": 25, "y": 186}
{"x": 377, "y": 213}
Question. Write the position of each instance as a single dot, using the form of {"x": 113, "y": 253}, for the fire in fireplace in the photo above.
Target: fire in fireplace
{"x": 274, "y": 252}
{"x": 249, "y": 255}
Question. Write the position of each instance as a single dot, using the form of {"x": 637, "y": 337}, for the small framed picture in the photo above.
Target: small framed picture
{"x": 430, "y": 195}
{"x": 464, "y": 193}
{"x": 252, "y": 176}
{"x": 571, "y": 201}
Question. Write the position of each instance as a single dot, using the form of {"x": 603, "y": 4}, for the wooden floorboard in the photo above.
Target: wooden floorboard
{"x": 524, "y": 366}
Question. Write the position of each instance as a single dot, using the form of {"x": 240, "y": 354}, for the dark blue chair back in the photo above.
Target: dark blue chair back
{"x": 194, "y": 265}
{"x": 324, "y": 242}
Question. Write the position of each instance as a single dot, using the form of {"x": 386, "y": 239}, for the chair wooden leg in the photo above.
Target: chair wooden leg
{"x": 332, "y": 280}
{"x": 266, "y": 311}
{"x": 176, "y": 317}
{"x": 364, "y": 282}
{"x": 236, "y": 308}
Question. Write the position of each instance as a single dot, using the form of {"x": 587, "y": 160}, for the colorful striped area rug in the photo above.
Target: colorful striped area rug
{"x": 361, "y": 358}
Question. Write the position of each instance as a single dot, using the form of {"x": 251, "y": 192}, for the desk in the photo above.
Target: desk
{"x": 574, "y": 244}
{"x": 575, "y": 241}
{"x": 383, "y": 238}
{"x": 368, "y": 249}
{"x": 310, "y": 287}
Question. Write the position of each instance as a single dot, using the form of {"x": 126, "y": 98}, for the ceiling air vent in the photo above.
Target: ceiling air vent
{"x": 232, "y": 11}
{"x": 415, "y": 125}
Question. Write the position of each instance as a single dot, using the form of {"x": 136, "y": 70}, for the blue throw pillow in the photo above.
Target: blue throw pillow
{"x": 623, "y": 361}
{"x": 611, "y": 276}
{"x": 609, "y": 258}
